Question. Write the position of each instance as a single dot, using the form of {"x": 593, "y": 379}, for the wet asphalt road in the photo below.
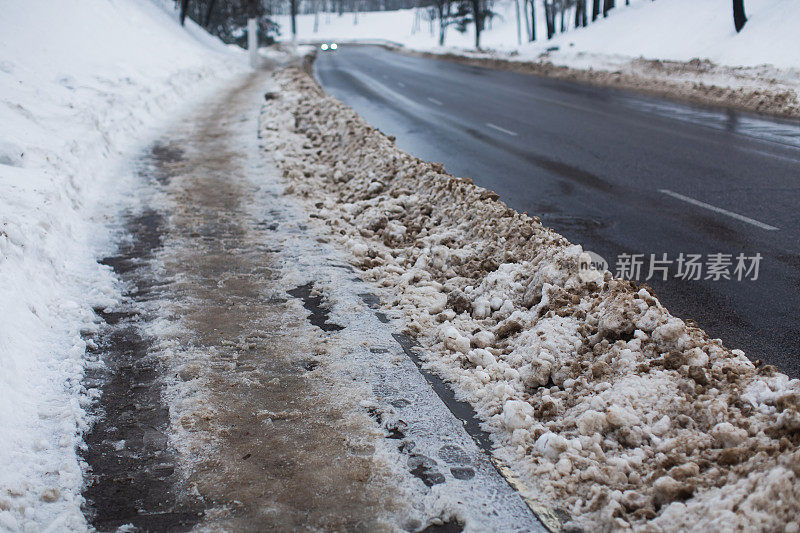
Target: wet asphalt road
{"x": 617, "y": 172}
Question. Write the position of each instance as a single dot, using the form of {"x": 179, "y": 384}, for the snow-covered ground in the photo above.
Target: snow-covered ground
{"x": 81, "y": 84}
{"x": 678, "y": 30}
{"x": 605, "y": 405}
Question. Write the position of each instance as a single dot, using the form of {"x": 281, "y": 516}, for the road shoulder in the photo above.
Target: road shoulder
{"x": 763, "y": 89}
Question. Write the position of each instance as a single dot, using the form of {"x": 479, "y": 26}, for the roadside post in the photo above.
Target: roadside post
{"x": 252, "y": 41}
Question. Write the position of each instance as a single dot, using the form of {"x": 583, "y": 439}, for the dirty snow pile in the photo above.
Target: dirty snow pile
{"x": 608, "y": 408}
{"x": 80, "y": 82}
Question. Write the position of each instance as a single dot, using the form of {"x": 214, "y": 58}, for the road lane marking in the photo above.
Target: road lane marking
{"x": 710, "y": 207}
{"x": 401, "y": 84}
{"x": 498, "y": 128}
{"x": 435, "y": 101}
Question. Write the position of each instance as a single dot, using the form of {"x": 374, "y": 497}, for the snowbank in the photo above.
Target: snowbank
{"x": 605, "y": 405}
{"x": 678, "y": 30}
{"x": 80, "y": 83}
{"x": 681, "y": 30}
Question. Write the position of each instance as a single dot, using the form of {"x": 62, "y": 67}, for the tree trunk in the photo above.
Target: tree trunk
{"x": 739, "y": 18}
{"x": 184, "y": 10}
{"x": 444, "y": 19}
{"x": 527, "y": 20}
{"x": 209, "y": 10}
{"x": 533, "y": 19}
{"x": 580, "y": 13}
{"x": 477, "y": 16}
{"x": 608, "y": 5}
{"x": 595, "y": 9}
{"x": 293, "y": 8}
{"x": 550, "y": 19}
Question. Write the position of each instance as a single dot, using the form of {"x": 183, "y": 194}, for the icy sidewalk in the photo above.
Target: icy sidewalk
{"x": 263, "y": 388}
{"x": 611, "y": 410}
{"x": 81, "y": 84}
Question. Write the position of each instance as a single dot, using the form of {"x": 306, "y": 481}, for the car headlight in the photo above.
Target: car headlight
{"x": 334, "y": 46}
{"x": 324, "y": 46}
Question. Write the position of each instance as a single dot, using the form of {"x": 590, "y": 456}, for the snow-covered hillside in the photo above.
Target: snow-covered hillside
{"x": 665, "y": 29}
{"x": 81, "y": 81}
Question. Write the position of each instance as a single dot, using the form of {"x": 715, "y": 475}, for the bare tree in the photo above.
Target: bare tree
{"x": 532, "y": 4}
{"x": 293, "y": 9}
{"x": 739, "y": 17}
{"x": 550, "y": 17}
{"x": 580, "y": 13}
{"x": 184, "y": 11}
{"x": 209, "y": 11}
{"x": 608, "y": 5}
{"x": 227, "y": 18}
{"x": 480, "y": 11}
{"x": 443, "y": 8}
{"x": 477, "y": 19}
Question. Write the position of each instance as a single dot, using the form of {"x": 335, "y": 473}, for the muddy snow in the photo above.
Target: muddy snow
{"x": 249, "y": 382}
{"x": 611, "y": 411}
{"x": 763, "y": 89}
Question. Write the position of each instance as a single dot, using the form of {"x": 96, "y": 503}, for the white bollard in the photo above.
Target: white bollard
{"x": 252, "y": 41}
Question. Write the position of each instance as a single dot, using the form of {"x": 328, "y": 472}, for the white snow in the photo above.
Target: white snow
{"x": 81, "y": 82}
{"x": 678, "y": 30}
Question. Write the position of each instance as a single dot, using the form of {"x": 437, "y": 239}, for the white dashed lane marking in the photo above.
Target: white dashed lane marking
{"x": 719, "y": 210}
{"x": 503, "y": 130}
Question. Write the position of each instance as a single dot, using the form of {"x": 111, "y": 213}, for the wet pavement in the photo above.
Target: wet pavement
{"x": 257, "y": 446}
{"x": 132, "y": 478}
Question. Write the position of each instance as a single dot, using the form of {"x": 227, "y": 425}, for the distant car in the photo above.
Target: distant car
{"x": 328, "y": 47}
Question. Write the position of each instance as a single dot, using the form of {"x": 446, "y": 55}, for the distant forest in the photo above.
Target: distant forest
{"x": 228, "y": 18}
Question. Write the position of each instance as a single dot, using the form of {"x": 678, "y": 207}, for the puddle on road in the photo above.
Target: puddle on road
{"x": 770, "y": 129}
